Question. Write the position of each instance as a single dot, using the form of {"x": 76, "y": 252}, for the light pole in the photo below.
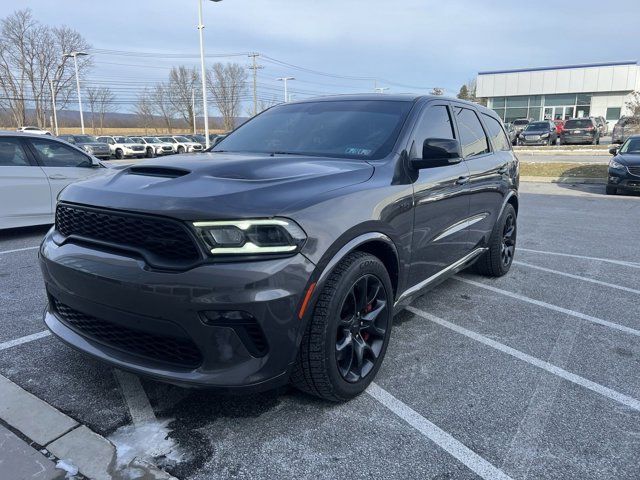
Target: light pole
{"x": 285, "y": 80}
{"x": 75, "y": 63}
{"x": 203, "y": 74}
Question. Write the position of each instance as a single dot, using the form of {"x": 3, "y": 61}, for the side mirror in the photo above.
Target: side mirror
{"x": 613, "y": 150}
{"x": 438, "y": 152}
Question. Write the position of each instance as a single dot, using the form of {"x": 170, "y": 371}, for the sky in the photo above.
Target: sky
{"x": 342, "y": 46}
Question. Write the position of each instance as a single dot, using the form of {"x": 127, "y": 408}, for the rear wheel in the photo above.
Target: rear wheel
{"x": 611, "y": 190}
{"x": 119, "y": 153}
{"x": 346, "y": 339}
{"x": 497, "y": 260}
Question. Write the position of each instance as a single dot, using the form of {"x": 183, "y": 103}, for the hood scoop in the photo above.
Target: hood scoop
{"x": 163, "y": 172}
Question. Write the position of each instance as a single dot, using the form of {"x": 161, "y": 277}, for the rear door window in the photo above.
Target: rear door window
{"x": 498, "y": 138}
{"x": 12, "y": 154}
{"x": 472, "y": 137}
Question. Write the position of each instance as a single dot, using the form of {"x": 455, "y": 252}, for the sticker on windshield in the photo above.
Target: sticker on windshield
{"x": 357, "y": 151}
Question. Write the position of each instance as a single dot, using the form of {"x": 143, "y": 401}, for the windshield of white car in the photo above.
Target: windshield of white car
{"x": 167, "y": 139}
{"x": 151, "y": 140}
{"x": 182, "y": 139}
{"x": 355, "y": 129}
{"x": 124, "y": 139}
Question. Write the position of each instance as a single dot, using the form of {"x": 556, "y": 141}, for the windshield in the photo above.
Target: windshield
{"x": 520, "y": 122}
{"x": 632, "y": 145}
{"x": 356, "y": 129}
{"x": 167, "y": 139}
{"x": 151, "y": 140}
{"x": 586, "y": 123}
{"x": 136, "y": 139}
{"x": 182, "y": 139}
{"x": 124, "y": 140}
{"x": 84, "y": 139}
{"x": 538, "y": 126}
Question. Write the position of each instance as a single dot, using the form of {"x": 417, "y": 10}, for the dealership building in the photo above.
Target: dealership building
{"x": 599, "y": 89}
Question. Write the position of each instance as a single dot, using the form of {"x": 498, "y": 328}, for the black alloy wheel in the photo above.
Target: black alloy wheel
{"x": 119, "y": 154}
{"x": 362, "y": 328}
{"x": 150, "y": 153}
{"x": 508, "y": 240}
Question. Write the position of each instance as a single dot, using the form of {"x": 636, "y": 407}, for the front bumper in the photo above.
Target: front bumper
{"x": 623, "y": 179}
{"x": 131, "y": 301}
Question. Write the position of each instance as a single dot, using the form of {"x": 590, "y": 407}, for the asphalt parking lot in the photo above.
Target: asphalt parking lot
{"x": 533, "y": 375}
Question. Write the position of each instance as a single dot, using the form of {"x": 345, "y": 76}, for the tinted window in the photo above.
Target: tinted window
{"x": 496, "y": 133}
{"x": 472, "y": 136}
{"x": 434, "y": 123}
{"x": 632, "y": 145}
{"x": 56, "y": 154}
{"x": 365, "y": 129}
{"x": 12, "y": 154}
{"x": 578, "y": 124}
{"x": 539, "y": 126}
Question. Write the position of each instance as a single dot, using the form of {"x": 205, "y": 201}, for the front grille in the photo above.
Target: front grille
{"x": 173, "y": 350}
{"x": 635, "y": 170}
{"x": 162, "y": 240}
{"x": 137, "y": 148}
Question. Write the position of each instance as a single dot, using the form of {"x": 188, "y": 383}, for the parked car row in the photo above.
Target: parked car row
{"x": 122, "y": 146}
{"x": 586, "y": 130}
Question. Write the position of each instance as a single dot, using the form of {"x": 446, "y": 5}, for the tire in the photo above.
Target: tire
{"x": 322, "y": 368}
{"x": 119, "y": 154}
{"x": 497, "y": 260}
{"x": 150, "y": 153}
{"x": 180, "y": 149}
{"x": 611, "y": 190}
{"x": 598, "y": 141}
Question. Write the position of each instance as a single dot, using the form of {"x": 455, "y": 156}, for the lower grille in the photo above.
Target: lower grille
{"x": 635, "y": 170}
{"x": 171, "y": 350}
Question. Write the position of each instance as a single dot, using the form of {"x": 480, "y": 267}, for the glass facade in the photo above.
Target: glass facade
{"x": 541, "y": 107}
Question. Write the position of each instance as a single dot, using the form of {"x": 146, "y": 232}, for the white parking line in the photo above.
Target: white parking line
{"x": 550, "y": 306}
{"x": 18, "y": 250}
{"x": 583, "y": 257}
{"x": 578, "y": 277}
{"x": 453, "y": 447}
{"x": 135, "y": 397}
{"x": 25, "y": 339}
{"x": 553, "y": 369}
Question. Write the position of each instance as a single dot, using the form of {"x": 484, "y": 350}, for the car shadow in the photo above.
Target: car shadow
{"x": 24, "y": 232}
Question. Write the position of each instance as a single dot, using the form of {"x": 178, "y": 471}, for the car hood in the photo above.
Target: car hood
{"x": 217, "y": 185}
{"x": 628, "y": 159}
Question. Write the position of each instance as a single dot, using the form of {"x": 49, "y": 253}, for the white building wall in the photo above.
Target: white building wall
{"x": 605, "y": 79}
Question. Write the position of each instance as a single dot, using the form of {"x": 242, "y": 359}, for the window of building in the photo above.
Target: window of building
{"x": 613, "y": 113}
{"x": 472, "y": 136}
{"x": 559, "y": 100}
{"x": 517, "y": 102}
{"x": 496, "y": 133}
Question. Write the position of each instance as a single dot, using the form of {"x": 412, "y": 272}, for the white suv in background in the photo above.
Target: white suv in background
{"x": 122, "y": 147}
{"x": 154, "y": 146}
{"x": 182, "y": 144}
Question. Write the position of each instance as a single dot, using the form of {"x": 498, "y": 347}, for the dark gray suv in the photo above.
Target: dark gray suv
{"x": 282, "y": 255}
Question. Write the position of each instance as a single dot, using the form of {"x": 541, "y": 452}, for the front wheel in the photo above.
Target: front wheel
{"x": 180, "y": 149}
{"x": 150, "y": 153}
{"x": 497, "y": 260}
{"x": 119, "y": 154}
{"x": 346, "y": 338}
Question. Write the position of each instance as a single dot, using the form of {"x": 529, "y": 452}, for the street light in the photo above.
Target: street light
{"x": 285, "y": 80}
{"x": 203, "y": 74}
{"x": 75, "y": 63}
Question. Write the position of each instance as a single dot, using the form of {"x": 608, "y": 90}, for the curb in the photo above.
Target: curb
{"x": 65, "y": 438}
{"x": 587, "y": 180}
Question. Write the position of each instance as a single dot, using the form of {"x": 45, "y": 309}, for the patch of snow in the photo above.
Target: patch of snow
{"x": 148, "y": 441}
{"x": 68, "y": 467}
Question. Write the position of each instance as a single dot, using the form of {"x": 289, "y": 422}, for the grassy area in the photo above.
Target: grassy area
{"x": 582, "y": 170}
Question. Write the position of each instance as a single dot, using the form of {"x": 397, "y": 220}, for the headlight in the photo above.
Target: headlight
{"x": 250, "y": 237}
{"x": 614, "y": 164}
{"x": 544, "y": 135}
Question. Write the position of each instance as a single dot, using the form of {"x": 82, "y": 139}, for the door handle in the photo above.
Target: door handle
{"x": 58, "y": 176}
{"x": 462, "y": 180}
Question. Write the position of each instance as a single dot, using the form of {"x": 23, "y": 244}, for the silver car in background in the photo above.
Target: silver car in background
{"x": 89, "y": 144}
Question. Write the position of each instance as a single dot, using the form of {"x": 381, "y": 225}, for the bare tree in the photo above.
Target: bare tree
{"x": 92, "y": 98}
{"x": 161, "y": 103}
{"x": 105, "y": 103}
{"x": 227, "y": 84}
{"x": 182, "y": 84}
{"x": 144, "y": 110}
{"x": 31, "y": 59}
{"x": 633, "y": 104}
